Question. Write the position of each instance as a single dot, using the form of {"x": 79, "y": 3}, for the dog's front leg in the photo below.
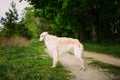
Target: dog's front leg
{"x": 55, "y": 59}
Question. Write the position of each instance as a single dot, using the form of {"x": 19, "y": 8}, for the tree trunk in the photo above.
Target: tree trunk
{"x": 94, "y": 34}
{"x": 81, "y": 34}
{"x": 95, "y": 23}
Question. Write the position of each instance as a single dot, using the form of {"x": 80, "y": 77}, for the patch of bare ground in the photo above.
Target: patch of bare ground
{"x": 91, "y": 73}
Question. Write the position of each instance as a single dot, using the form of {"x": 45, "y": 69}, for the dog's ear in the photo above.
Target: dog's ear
{"x": 45, "y": 34}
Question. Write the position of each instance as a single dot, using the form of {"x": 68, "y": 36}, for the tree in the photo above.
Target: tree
{"x": 31, "y": 22}
{"x": 11, "y": 25}
{"x": 84, "y": 19}
{"x": 10, "y": 22}
{"x": 34, "y": 23}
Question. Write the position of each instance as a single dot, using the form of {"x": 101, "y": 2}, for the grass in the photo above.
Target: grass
{"x": 115, "y": 70}
{"x": 105, "y": 48}
{"x": 28, "y": 63}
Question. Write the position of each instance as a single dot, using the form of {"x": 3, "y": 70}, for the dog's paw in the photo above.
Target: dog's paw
{"x": 53, "y": 66}
{"x": 83, "y": 68}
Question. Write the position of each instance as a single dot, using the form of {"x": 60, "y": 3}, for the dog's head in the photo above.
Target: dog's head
{"x": 43, "y": 35}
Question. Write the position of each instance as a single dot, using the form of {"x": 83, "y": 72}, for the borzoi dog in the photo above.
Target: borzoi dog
{"x": 58, "y": 45}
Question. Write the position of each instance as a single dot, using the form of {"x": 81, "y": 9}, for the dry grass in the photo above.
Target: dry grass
{"x": 15, "y": 40}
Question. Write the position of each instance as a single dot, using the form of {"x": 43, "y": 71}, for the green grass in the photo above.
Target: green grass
{"x": 105, "y": 48}
{"x": 115, "y": 70}
{"x": 29, "y": 63}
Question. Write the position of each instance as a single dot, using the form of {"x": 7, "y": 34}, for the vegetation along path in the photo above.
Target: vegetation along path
{"x": 91, "y": 73}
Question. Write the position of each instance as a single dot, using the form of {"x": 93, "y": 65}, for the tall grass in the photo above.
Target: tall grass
{"x": 28, "y": 63}
{"x": 14, "y": 40}
{"x": 105, "y": 48}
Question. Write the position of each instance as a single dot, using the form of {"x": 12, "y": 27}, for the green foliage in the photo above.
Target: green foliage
{"x": 35, "y": 24}
{"x": 30, "y": 21}
{"x": 11, "y": 25}
{"x": 44, "y": 26}
{"x": 24, "y": 30}
{"x": 85, "y": 19}
{"x": 28, "y": 63}
{"x": 10, "y": 22}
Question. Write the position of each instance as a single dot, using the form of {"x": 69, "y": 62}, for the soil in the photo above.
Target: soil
{"x": 70, "y": 63}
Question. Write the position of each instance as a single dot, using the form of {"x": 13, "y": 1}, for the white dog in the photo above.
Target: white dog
{"x": 57, "y": 45}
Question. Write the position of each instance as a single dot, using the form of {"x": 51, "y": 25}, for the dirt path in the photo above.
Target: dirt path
{"x": 103, "y": 58}
{"x": 73, "y": 65}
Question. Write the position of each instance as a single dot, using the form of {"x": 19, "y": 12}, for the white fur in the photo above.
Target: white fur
{"x": 59, "y": 45}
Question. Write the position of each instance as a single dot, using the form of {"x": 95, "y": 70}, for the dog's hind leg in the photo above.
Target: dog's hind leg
{"x": 78, "y": 52}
